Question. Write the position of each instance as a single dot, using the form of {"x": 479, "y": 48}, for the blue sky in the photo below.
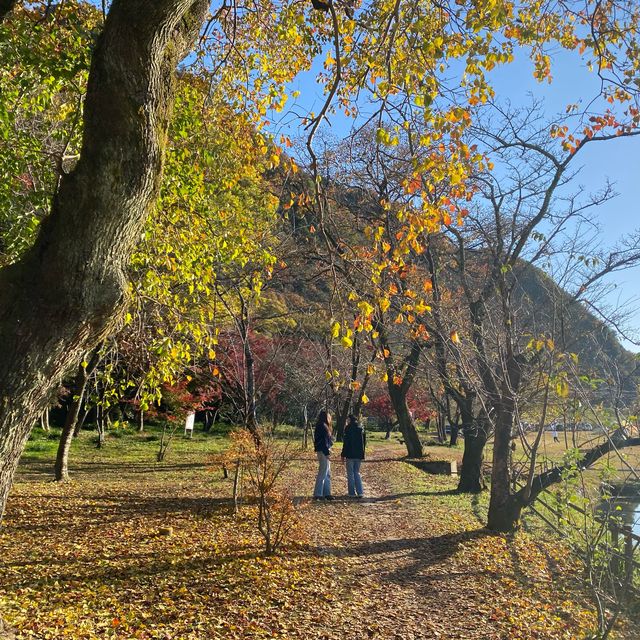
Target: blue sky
{"x": 618, "y": 160}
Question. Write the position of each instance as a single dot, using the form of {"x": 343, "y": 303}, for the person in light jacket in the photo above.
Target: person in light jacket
{"x": 355, "y": 442}
{"x": 322, "y": 443}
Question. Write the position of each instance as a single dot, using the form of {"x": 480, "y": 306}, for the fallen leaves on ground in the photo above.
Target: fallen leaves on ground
{"x": 87, "y": 560}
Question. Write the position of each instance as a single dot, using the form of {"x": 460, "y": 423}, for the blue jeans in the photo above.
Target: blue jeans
{"x": 323, "y": 479}
{"x": 354, "y": 481}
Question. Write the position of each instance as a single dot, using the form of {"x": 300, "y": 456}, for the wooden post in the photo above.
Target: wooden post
{"x": 615, "y": 563}
{"x": 628, "y": 555}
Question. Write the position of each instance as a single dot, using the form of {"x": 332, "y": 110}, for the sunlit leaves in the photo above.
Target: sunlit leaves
{"x": 42, "y": 78}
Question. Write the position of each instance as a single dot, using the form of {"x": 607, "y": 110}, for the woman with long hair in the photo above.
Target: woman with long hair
{"x": 322, "y": 443}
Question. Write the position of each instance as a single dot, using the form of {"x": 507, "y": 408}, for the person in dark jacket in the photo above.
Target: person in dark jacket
{"x": 322, "y": 443}
{"x": 355, "y": 442}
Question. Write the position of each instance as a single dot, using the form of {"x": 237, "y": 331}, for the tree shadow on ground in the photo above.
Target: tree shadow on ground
{"x": 110, "y": 508}
{"x": 130, "y": 568}
{"x": 416, "y": 562}
{"x": 36, "y": 468}
{"x": 433, "y": 549}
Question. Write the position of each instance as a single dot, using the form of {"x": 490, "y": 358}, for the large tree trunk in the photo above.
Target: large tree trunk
{"x": 475, "y": 439}
{"x": 475, "y": 433}
{"x": 69, "y": 289}
{"x": 501, "y": 505}
{"x": 406, "y": 423}
{"x": 399, "y": 390}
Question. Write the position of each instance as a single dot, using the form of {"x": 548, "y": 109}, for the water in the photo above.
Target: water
{"x": 630, "y": 511}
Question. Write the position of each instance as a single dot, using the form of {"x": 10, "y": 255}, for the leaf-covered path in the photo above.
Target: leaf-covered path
{"x": 87, "y": 560}
{"x": 413, "y": 561}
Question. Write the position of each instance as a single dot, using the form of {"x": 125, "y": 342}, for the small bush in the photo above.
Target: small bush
{"x": 263, "y": 460}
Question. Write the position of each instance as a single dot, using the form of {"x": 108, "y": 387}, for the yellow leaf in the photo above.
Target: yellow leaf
{"x": 364, "y": 398}
{"x": 335, "y": 330}
{"x": 365, "y": 307}
{"x": 346, "y": 342}
{"x": 562, "y": 388}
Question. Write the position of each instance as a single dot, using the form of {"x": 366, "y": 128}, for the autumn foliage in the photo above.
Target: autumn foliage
{"x": 262, "y": 461}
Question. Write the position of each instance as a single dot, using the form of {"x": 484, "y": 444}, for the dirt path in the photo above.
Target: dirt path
{"x": 412, "y": 562}
{"x": 85, "y": 560}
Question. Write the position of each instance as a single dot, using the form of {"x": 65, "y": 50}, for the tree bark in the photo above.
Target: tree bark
{"x": 249, "y": 361}
{"x": 74, "y": 275}
{"x": 503, "y": 514}
{"x": 44, "y": 420}
{"x": 475, "y": 433}
{"x": 500, "y": 505}
{"x": 507, "y": 518}
{"x": 406, "y": 423}
{"x": 399, "y": 391}
{"x": 80, "y": 422}
{"x": 61, "y": 468}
